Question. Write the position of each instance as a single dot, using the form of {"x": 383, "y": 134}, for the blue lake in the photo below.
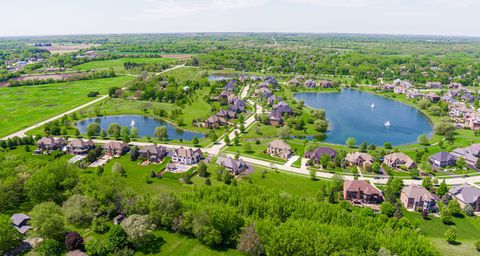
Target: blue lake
{"x": 350, "y": 114}
{"x": 145, "y": 126}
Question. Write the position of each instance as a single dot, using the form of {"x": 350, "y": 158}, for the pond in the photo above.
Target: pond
{"x": 220, "y": 77}
{"x": 368, "y": 117}
{"x": 145, "y": 126}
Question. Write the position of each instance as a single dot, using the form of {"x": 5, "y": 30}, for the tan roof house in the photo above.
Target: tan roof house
{"x": 399, "y": 160}
{"x": 115, "y": 148}
{"x": 466, "y": 194}
{"x": 360, "y": 191}
{"x": 359, "y": 159}
{"x": 79, "y": 147}
{"x": 414, "y": 197}
{"x": 279, "y": 148}
{"x": 153, "y": 153}
{"x": 186, "y": 156}
{"x": 51, "y": 143}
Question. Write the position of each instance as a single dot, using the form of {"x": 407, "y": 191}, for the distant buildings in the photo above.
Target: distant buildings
{"x": 47, "y": 144}
{"x": 79, "y": 146}
{"x": 115, "y": 148}
{"x": 237, "y": 167}
{"x": 153, "y": 153}
{"x": 359, "y": 159}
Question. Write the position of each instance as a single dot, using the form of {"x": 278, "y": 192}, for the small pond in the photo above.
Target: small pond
{"x": 145, "y": 126}
{"x": 368, "y": 117}
{"x": 220, "y": 77}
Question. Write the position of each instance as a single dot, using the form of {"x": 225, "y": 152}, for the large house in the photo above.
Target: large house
{"x": 325, "y": 84}
{"x": 399, "y": 160}
{"x": 434, "y": 85}
{"x": 470, "y": 154}
{"x": 442, "y": 160}
{"x": 359, "y": 159}
{"x": 79, "y": 147}
{"x": 433, "y": 97}
{"x": 237, "y": 106}
{"x": 237, "y": 167}
{"x": 214, "y": 122}
{"x": 414, "y": 197}
{"x": 360, "y": 191}
{"x": 279, "y": 148}
{"x": 50, "y": 143}
{"x": 115, "y": 148}
{"x": 310, "y": 83}
{"x": 186, "y": 156}
{"x": 317, "y": 154}
{"x": 20, "y": 222}
{"x": 275, "y": 118}
{"x": 466, "y": 194}
{"x": 153, "y": 153}
{"x": 282, "y": 108}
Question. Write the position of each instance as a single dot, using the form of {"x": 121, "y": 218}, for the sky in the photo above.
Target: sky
{"x": 59, "y": 17}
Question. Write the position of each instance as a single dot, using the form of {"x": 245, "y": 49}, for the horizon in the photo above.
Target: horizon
{"x": 379, "y": 17}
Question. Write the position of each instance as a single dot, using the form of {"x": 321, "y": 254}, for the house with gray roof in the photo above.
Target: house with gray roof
{"x": 283, "y": 108}
{"x": 414, "y": 197}
{"x": 50, "y": 143}
{"x": 153, "y": 153}
{"x": 466, "y": 194}
{"x": 442, "y": 160}
{"x": 317, "y": 154}
{"x": 237, "y": 167}
{"x": 470, "y": 154}
{"x": 20, "y": 222}
{"x": 186, "y": 156}
{"x": 79, "y": 146}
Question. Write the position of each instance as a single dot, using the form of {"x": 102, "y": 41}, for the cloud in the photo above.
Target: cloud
{"x": 383, "y": 3}
{"x": 176, "y": 8}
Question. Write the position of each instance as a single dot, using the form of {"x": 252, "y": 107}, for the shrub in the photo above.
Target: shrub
{"x": 74, "y": 241}
{"x": 450, "y": 235}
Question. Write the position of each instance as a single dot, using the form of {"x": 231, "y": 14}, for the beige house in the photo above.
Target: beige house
{"x": 466, "y": 194}
{"x": 414, "y": 197}
{"x": 399, "y": 160}
{"x": 115, "y": 148}
{"x": 359, "y": 159}
{"x": 279, "y": 148}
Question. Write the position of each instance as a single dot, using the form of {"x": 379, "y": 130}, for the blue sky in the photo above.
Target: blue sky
{"x": 51, "y": 17}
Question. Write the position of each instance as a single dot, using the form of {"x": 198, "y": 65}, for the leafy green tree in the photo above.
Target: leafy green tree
{"x": 387, "y": 145}
{"x": 134, "y": 134}
{"x": 103, "y": 134}
{"x": 9, "y": 236}
{"x": 454, "y": 207}
{"x": 114, "y": 130}
{"x": 461, "y": 163}
{"x": 161, "y": 133}
{"x": 250, "y": 242}
{"x": 134, "y": 154}
{"x": 118, "y": 169}
{"x": 363, "y": 147}
{"x": 79, "y": 210}
{"x": 422, "y": 139}
{"x": 93, "y": 129}
{"x": 137, "y": 227}
{"x": 442, "y": 189}
{"x": 202, "y": 169}
{"x": 227, "y": 140}
{"x": 117, "y": 237}
{"x": 450, "y": 235}
{"x": 350, "y": 142}
{"x": 48, "y": 221}
{"x": 427, "y": 183}
{"x": 195, "y": 140}
{"x": 477, "y": 245}
{"x": 468, "y": 210}
{"x": 387, "y": 208}
{"x": 50, "y": 247}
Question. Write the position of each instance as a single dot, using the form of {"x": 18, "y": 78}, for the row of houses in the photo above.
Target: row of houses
{"x": 224, "y": 116}
{"x": 464, "y": 116}
{"x": 471, "y": 154}
{"x": 309, "y": 83}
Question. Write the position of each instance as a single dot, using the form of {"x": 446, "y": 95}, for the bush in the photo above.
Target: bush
{"x": 100, "y": 225}
{"x": 468, "y": 210}
{"x": 387, "y": 208}
{"x": 50, "y": 247}
{"x": 477, "y": 245}
{"x": 450, "y": 235}
{"x": 74, "y": 241}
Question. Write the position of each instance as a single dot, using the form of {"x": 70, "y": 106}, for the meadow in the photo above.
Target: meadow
{"x": 24, "y": 106}
{"x": 117, "y": 64}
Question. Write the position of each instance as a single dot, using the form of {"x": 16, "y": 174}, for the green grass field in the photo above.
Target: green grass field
{"x": 23, "y": 106}
{"x": 117, "y": 64}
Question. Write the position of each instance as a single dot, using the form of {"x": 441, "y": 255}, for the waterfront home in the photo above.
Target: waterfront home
{"x": 399, "y": 89}
{"x": 279, "y": 148}
{"x": 310, "y": 83}
{"x": 414, "y": 93}
{"x": 237, "y": 167}
{"x": 282, "y": 108}
{"x": 325, "y": 84}
{"x": 470, "y": 153}
{"x": 20, "y": 222}
{"x": 399, "y": 160}
{"x": 317, "y": 154}
{"x": 414, "y": 197}
{"x": 466, "y": 194}
{"x": 50, "y": 143}
{"x": 115, "y": 148}
{"x": 214, "y": 122}
{"x": 388, "y": 87}
{"x": 433, "y": 97}
{"x": 275, "y": 118}
{"x": 153, "y": 153}
{"x": 360, "y": 159}
{"x": 362, "y": 192}
{"x": 186, "y": 156}
{"x": 434, "y": 85}
{"x": 271, "y": 80}
{"x": 79, "y": 147}
{"x": 442, "y": 160}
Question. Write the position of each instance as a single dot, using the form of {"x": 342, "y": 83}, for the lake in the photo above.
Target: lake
{"x": 220, "y": 77}
{"x": 350, "y": 114}
{"x": 145, "y": 126}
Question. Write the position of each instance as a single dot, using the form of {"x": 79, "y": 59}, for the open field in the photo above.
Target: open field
{"x": 23, "y": 106}
{"x": 67, "y": 48}
{"x": 117, "y": 64}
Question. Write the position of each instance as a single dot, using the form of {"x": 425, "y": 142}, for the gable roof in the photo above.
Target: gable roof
{"x": 360, "y": 185}
{"x": 442, "y": 157}
{"x": 317, "y": 153}
{"x": 153, "y": 149}
{"x": 188, "y": 153}
{"x": 418, "y": 193}
{"x": 280, "y": 144}
{"x": 465, "y": 193}
{"x": 19, "y": 218}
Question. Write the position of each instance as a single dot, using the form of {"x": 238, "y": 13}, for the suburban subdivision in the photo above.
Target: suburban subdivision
{"x": 239, "y": 144}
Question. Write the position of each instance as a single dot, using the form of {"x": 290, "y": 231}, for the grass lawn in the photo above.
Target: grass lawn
{"x": 23, "y": 106}
{"x": 468, "y": 231}
{"x": 117, "y": 64}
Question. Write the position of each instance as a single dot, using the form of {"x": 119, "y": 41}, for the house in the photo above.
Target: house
{"x": 275, "y": 118}
{"x": 231, "y": 98}
{"x": 271, "y": 80}
{"x": 293, "y": 82}
{"x": 474, "y": 122}
{"x": 398, "y": 160}
{"x": 434, "y": 85}
{"x": 317, "y": 154}
{"x": 214, "y": 122}
{"x": 433, "y": 97}
{"x": 115, "y": 148}
{"x": 118, "y": 219}
{"x": 79, "y": 147}
{"x": 360, "y": 191}
{"x": 468, "y": 97}
{"x": 455, "y": 85}
{"x": 388, "y": 87}
{"x": 470, "y": 154}
{"x": 399, "y": 90}
{"x": 282, "y": 108}
{"x": 466, "y": 194}
{"x": 442, "y": 159}
{"x": 325, "y": 84}
{"x": 359, "y": 159}
{"x": 279, "y": 148}
{"x": 262, "y": 93}
{"x": 230, "y": 86}
{"x": 226, "y": 114}
{"x": 153, "y": 153}
{"x": 309, "y": 83}
{"x": 50, "y": 143}
{"x": 414, "y": 93}
{"x": 237, "y": 106}
{"x": 414, "y": 197}
{"x": 186, "y": 156}
{"x": 273, "y": 99}
{"x": 237, "y": 167}
{"x": 76, "y": 253}
{"x": 20, "y": 222}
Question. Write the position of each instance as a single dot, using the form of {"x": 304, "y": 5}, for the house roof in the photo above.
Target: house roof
{"x": 19, "y": 218}
{"x": 79, "y": 143}
{"x": 465, "y": 193}
{"x": 360, "y": 185}
{"x": 153, "y": 149}
{"x": 354, "y": 157}
{"x": 117, "y": 145}
{"x": 317, "y": 153}
{"x": 76, "y": 253}
{"x": 188, "y": 153}
{"x": 235, "y": 165}
{"x": 442, "y": 157}
{"x": 399, "y": 158}
{"x": 279, "y": 144}
{"x": 418, "y": 193}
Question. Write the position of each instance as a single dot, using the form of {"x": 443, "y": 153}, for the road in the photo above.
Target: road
{"x": 22, "y": 133}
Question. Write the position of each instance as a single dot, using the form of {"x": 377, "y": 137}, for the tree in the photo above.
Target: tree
{"x": 461, "y": 163}
{"x": 114, "y": 130}
{"x": 80, "y": 210}
{"x": 50, "y": 247}
{"x": 468, "y": 210}
{"x": 134, "y": 133}
{"x": 48, "y": 221}
{"x": 213, "y": 136}
{"x": 454, "y": 208}
{"x": 9, "y": 236}
{"x": 284, "y": 132}
{"x": 477, "y": 164}
{"x": 73, "y": 241}
{"x": 442, "y": 189}
{"x": 236, "y": 141}
{"x": 250, "y": 242}
{"x": 202, "y": 169}
{"x": 103, "y": 134}
{"x": 118, "y": 169}
{"x": 363, "y": 147}
{"x": 477, "y": 245}
{"x": 137, "y": 227}
{"x": 93, "y": 129}
{"x": 443, "y": 128}
{"x": 134, "y": 154}
{"x": 313, "y": 174}
{"x": 376, "y": 167}
{"x": 242, "y": 128}
{"x": 450, "y": 235}
{"x": 195, "y": 140}
{"x": 320, "y": 125}
{"x": 208, "y": 182}
{"x": 117, "y": 237}
{"x": 427, "y": 183}
{"x": 422, "y": 139}
{"x": 387, "y": 208}
{"x": 387, "y": 145}
{"x": 350, "y": 142}
{"x": 393, "y": 189}
{"x": 161, "y": 133}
